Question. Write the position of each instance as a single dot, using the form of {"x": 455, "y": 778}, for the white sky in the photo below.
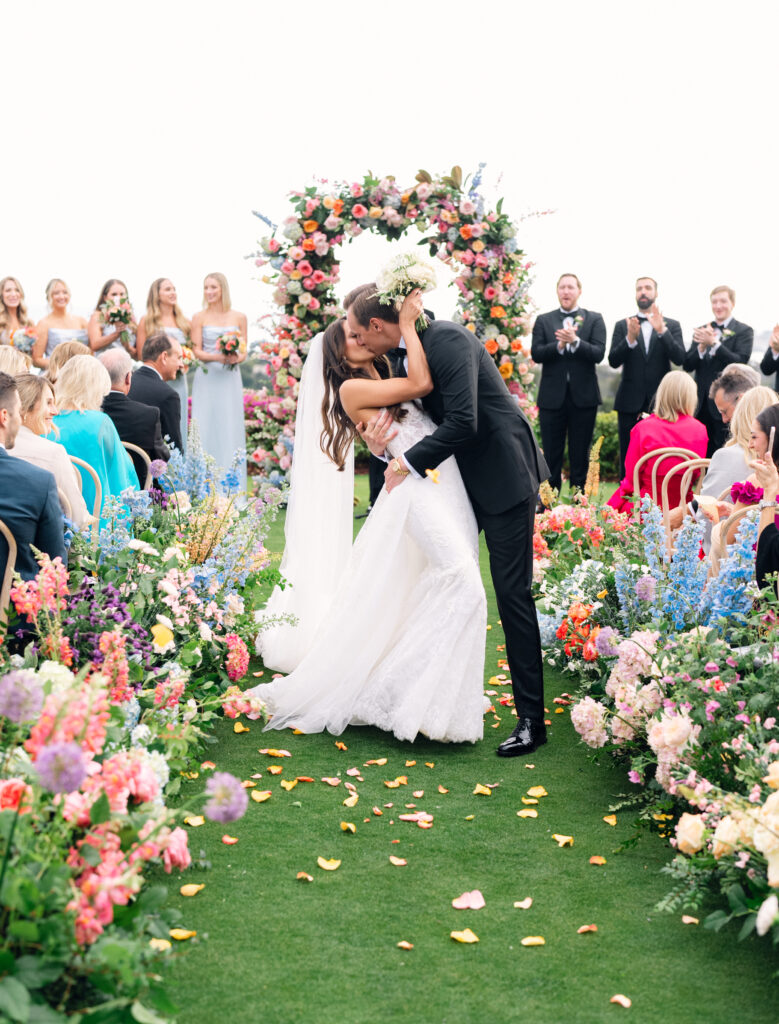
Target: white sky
{"x": 139, "y": 137}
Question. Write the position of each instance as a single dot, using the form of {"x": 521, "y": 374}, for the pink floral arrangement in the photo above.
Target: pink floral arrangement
{"x": 237, "y": 661}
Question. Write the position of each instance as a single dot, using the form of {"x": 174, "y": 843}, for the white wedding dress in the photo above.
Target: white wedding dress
{"x": 402, "y": 644}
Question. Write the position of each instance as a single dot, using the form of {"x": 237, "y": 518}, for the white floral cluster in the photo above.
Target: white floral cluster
{"x": 588, "y": 577}
{"x": 402, "y": 275}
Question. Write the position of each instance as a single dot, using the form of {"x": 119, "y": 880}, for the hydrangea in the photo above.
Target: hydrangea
{"x": 604, "y": 643}
{"x": 589, "y": 720}
{"x": 21, "y": 696}
{"x": 228, "y": 798}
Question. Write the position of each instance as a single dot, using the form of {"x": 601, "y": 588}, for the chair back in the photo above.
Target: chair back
{"x": 67, "y": 508}
{"x": 735, "y": 517}
{"x": 687, "y": 469}
{"x": 144, "y": 456}
{"x": 660, "y": 454}
{"x": 98, "y": 503}
{"x": 8, "y": 575}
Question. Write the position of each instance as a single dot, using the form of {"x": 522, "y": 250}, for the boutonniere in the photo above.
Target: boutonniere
{"x": 578, "y": 320}
{"x": 727, "y": 333}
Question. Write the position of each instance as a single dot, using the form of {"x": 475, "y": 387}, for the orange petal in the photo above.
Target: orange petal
{"x": 424, "y": 824}
{"x": 275, "y": 769}
{"x": 378, "y": 812}
{"x": 482, "y": 790}
{"x": 405, "y": 945}
{"x": 376, "y": 760}
{"x": 610, "y": 819}
{"x": 340, "y": 746}
{"x": 304, "y": 778}
{"x": 442, "y": 789}
{"x": 328, "y": 865}
{"x": 248, "y": 784}
{"x": 239, "y": 727}
{"x": 622, "y": 1000}
{"x": 288, "y": 784}
{"x": 686, "y": 919}
{"x": 410, "y": 764}
{"x": 562, "y": 840}
{"x": 303, "y": 876}
{"x": 180, "y": 934}
{"x": 534, "y": 940}
{"x": 258, "y": 674}
{"x": 194, "y": 820}
{"x": 597, "y": 860}
{"x": 347, "y": 826}
{"x": 429, "y": 764}
{"x": 391, "y": 783}
{"x": 524, "y": 904}
{"x": 586, "y": 928}
{"x": 402, "y": 779}
{"x": 207, "y": 765}
{"x": 261, "y": 795}
{"x": 527, "y": 812}
{"x": 398, "y": 862}
{"x": 159, "y": 944}
{"x": 229, "y": 840}
{"x": 464, "y": 936}
{"x": 191, "y": 890}
{"x": 419, "y": 793}
{"x": 537, "y": 791}
{"x": 273, "y": 752}
{"x": 351, "y": 801}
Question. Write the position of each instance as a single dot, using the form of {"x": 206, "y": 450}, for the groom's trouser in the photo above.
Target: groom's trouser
{"x": 509, "y": 537}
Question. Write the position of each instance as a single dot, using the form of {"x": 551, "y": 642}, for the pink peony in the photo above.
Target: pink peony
{"x": 359, "y": 211}
{"x": 356, "y": 190}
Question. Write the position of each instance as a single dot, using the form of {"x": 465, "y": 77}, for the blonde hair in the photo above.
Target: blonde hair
{"x": 154, "y": 311}
{"x": 31, "y": 388}
{"x": 21, "y": 314}
{"x": 724, "y": 288}
{"x": 13, "y": 361}
{"x": 222, "y": 280}
{"x": 677, "y": 396}
{"x": 52, "y": 285}
{"x": 62, "y": 354}
{"x": 82, "y": 385}
{"x": 747, "y": 408}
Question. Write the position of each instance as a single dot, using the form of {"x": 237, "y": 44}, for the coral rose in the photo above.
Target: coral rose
{"x": 491, "y": 345}
{"x": 310, "y": 226}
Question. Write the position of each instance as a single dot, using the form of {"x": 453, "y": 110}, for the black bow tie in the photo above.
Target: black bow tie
{"x": 573, "y": 313}
{"x": 718, "y": 327}
{"x": 642, "y": 317}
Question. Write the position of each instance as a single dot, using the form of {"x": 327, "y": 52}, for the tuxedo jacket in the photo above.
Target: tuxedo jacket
{"x": 148, "y": 388}
{"x": 30, "y": 508}
{"x": 479, "y": 422}
{"x": 563, "y": 368}
{"x": 643, "y": 370}
{"x": 138, "y": 424}
{"x": 769, "y": 365}
{"x": 736, "y": 347}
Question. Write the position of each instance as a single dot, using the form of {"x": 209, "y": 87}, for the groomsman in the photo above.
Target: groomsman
{"x": 644, "y": 345}
{"x": 770, "y": 362}
{"x": 714, "y": 346}
{"x": 568, "y": 343}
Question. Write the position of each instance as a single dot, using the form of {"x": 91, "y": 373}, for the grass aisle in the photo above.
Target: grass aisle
{"x": 273, "y": 948}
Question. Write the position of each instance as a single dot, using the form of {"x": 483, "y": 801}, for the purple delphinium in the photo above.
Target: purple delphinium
{"x": 96, "y": 606}
{"x": 61, "y": 767}
{"x": 228, "y": 798}
{"x": 604, "y": 644}
{"x": 21, "y": 696}
{"x": 645, "y": 588}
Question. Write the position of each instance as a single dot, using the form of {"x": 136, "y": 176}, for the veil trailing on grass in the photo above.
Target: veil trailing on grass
{"x": 318, "y": 529}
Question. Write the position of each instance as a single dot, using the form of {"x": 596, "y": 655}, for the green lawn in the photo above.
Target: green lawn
{"x": 272, "y": 948}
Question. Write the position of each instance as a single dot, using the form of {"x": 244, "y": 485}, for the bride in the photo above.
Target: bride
{"x": 399, "y": 642}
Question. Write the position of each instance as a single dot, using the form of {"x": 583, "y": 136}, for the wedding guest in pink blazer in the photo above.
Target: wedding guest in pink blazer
{"x": 671, "y": 425}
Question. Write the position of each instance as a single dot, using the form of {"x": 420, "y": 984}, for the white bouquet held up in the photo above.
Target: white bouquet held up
{"x": 400, "y": 277}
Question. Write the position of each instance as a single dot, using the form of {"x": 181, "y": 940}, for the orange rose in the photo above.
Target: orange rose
{"x": 405, "y": 197}
{"x": 308, "y": 244}
{"x": 375, "y": 212}
{"x": 338, "y": 206}
{"x": 491, "y": 345}
{"x": 497, "y": 312}
{"x": 506, "y": 370}
{"x": 516, "y": 346}
{"x": 465, "y": 231}
{"x": 477, "y": 245}
{"x": 508, "y": 278}
{"x": 310, "y": 226}
{"x": 471, "y": 328}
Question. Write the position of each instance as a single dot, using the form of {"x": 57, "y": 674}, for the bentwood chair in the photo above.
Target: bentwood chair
{"x": 687, "y": 469}
{"x": 133, "y": 448}
{"x": 8, "y": 575}
{"x": 725, "y": 527}
{"x": 660, "y": 454}
{"x": 81, "y": 465}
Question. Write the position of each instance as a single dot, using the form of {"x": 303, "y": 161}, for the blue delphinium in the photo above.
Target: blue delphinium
{"x": 686, "y": 575}
{"x": 625, "y": 584}
{"x": 730, "y": 594}
{"x": 138, "y": 503}
{"x": 653, "y": 532}
{"x": 547, "y": 625}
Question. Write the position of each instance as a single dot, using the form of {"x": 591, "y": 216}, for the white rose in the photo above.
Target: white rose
{"x": 676, "y": 730}
{"x": 726, "y": 837}
{"x": 689, "y": 833}
{"x": 183, "y": 502}
{"x": 767, "y": 914}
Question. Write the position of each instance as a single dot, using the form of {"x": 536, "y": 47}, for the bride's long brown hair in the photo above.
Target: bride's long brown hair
{"x": 338, "y": 432}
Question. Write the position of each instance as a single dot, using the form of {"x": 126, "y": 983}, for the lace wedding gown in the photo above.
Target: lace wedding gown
{"x": 402, "y": 646}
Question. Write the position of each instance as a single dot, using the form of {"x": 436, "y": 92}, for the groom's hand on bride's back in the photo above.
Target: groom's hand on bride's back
{"x": 378, "y": 432}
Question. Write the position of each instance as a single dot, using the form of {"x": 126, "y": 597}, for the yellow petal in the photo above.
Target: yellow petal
{"x": 351, "y": 801}
{"x": 160, "y": 944}
{"x": 482, "y": 790}
{"x": 524, "y": 904}
{"x": 597, "y": 860}
{"x": 180, "y": 934}
{"x": 405, "y": 945}
{"x": 428, "y": 764}
{"x": 410, "y": 764}
{"x": 340, "y": 746}
{"x": 193, "y": 820}
{"x": 434, "y": 474}
{"x": 610, "y": 819}
{"x": 586, "y": 928}
{"x": 537, "y": 791}
{"x": 391, "y": 783}
{"x": 248, "y": 784}
{"x": 398, "y": 862}
{"x": 191, "y": 775}
{"x": 376, "y": 760}
{"x": 442, "y": 789}
{"x": 273, "y": 752}
{"x": 534, "y": 940}
{"x": 303, "y": 876}
{"x": 348, "y": 826}
{"x": 275, "y": 769}
{"x": 191, "y": 890}
{"x": 239, "y": 727}
{"x": 288, "y": 784}
{"x": 562, "y": 840}
{"x": 464, "y": 936}
{"x": 469, "y": 817}
{"x": 328, "y": 865}
{"x": 529, "y": 800}
{"x": 527, "y": 812}
{"x": 622, "y": 1000}
{"x": 686, "y": 919}
{"x": 261, "y": 795}
{"x": 161, "y": 634}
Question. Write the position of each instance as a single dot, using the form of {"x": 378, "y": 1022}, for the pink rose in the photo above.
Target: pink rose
{"x": 358, "y": 210}
{"x": 285, "y": 462}
{"x": 492, "y": 217}
{"x": 490, "y": 292}
{"x": 176, "y": 853}
{"x": 318, "y": 276}
{"x": 523, "y": 369}
{"x": 311, "y": 205}
{"x": 296, "y": 253}
{"x": 273, "y": 245}
{"x": 467, "y": 257}
{"x": 356, "y": 190}
{"x": 467, "y": 207}
{"x": 276, "y": 362}
{"x": 305, "y": 268}
{"x": 476, "y": 230}
{"x": 322, "y": 248}
{"x": 287, "y": 267}
{"x": 481, "y": 260}
{"x": 313, "y": 304}
{"x": 332, "y": 222}
{"x": 424, "y": 190}
{"x": 309, "y": 283}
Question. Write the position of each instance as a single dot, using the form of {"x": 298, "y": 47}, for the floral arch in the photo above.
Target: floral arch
{"x": 480, "y": 244}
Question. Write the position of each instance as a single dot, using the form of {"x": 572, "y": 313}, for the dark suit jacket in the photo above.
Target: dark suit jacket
{"x": 562, "y": 368}
{"x": 139, "y": 424}
{"x": 30, "y": 508}
{"x": 149, "y": 388}
{"x": 735, "y": 348}
{"x": 480, "y": 423}
{"x": 642, "y": 371}
{"x": 769, "y": 365}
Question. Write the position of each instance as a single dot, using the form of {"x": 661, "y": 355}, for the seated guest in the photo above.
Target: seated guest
{"x": 734, "y": 381}
{"x": 767, "y": 478}
{"x": 38, "y": 411}
{"x": 161, "y": 362}
{"x": 135, "y": 422}
{"x": 12, "y": 361}
{"x": 29, "y": 505}
{"x": 88, "y": 433}
{"x": 671, "y": 425}
{"x": 62, "y": 354}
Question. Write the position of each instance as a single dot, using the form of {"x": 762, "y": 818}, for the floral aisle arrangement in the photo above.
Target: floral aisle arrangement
{"x": 109, "y": 684}
{"x": 679, "y": 680}
{"x": 457, "y": 226}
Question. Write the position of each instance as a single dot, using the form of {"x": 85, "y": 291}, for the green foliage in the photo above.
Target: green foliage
{"x": 606, "y": 425}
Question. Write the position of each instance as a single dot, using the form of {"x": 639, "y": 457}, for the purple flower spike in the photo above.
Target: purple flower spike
{"x": 228, "y": 798}
{"x": 61, "y": 767}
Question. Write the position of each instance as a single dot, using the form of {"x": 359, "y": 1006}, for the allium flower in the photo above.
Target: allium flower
{"x": 21, "y": 696}
{"x": 61, "y": 767}
{"x": 158, "y": 468}
{"x": 228, "y": 798}
{"x": 645, "y": 588}
{"x": 605, "y": 644}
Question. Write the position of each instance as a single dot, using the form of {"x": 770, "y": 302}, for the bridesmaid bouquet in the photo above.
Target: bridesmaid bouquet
{"x": 188, "y": 359}
{"x": 400, "y": 277}
{"x": 23, "y": 339}
{"x": 229, "y": 344}
{"x": 117, "y": 314}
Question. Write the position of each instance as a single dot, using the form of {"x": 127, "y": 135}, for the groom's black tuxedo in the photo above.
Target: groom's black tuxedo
{"x": 481, "y": 424}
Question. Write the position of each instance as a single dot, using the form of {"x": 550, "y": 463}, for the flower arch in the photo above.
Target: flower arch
{"x": 480, "y": 244}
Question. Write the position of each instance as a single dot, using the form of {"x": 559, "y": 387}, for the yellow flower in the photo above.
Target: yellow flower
{"x": 162, "y": 636}
{"x": 375, "y": 212}
{"x": 506, "y": 369}
{"x": 477, "y": 245}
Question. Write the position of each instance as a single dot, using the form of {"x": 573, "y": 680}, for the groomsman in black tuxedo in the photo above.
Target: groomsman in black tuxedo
{"x": 162, "y": 359}
{"x": 714, "y": 346}
{"x": 644, "y": 345}
{"x": 770, "y": 361}
{"x": 569, "y": 342}
{"x": 135, "y": 422}
{"x": 481, "y": 424}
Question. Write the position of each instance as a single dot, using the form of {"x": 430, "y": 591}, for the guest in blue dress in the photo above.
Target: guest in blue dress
{"x": 58, "y": 325}
{"x": 217, "y": 395}
{"x": 88, "y": 433}
{"x": 163, "y": 314}
{"x": 102, "y": 335}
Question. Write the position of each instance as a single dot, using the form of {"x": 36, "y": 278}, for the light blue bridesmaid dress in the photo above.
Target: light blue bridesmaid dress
{"x": 117, "y": 342}
{"x": 57, "y": 335}
{"x": 179, "y": 384}
{"x": 217, "y": 406}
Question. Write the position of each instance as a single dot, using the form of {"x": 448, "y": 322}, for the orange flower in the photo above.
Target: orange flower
{"x": 477, "y": 245}
{"x": 338, "y": 206}
{"x": 465, "y": 231}
{"x": 405, "y": 197}
{"x": 506, "y": 369}
{"x": 308, "y": 244}
{"x": 508, "y": 278}
{"x": 497, "y": 312}
{"x": 310, "y": 226}
{"x": 516, "y": 346}
{"x": 328, "y": 202}
{"x": 491, "y": 345}
{"x": 579, "y": 612}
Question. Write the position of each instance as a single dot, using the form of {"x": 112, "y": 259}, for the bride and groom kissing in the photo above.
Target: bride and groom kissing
{"x": 391, "y": 632}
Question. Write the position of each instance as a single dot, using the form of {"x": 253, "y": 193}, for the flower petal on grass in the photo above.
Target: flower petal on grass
{"x": 586, "y": 928}
{"x": 442, "y": 789}
{"x": 469, "y": 901}
{"x": 348, "y": 826}
{"x": 160, "y": 945}
{"x": 419, "y": 793}
{"x": 351, "y": 801}
{"x": 610, "y": 819}
{"x": 482, "y": 790}
{"x": 428, "y": 764}
{"x": 229, "y": 840}
{"x": 464, "y": 936}
{"x": 239, "y": 727}
{"x": 304, "y": 778}
{"x": 275, "y": 769}
{"x": 303, "y": 876}
{"x": 534, "y": 940}
{"x": 328, "y": 865}
{"x": 410, "y": 764}
{"x": 181, "y": 934}
{"x": 621, "y": 1000}
{"x": 340, "y": 746}
{"x": 562, "y": 840}
{"x": 376, "y": 760}
{"x": 597, "y": 860}
{"x": 527, "y": 812}
{"x": 686, "y": 919}
{"x": 529, "y": 800}
{"x": 207, "y": 765}
{"x": 273, "y": 752}
{"x": 537, "y": 791}
{"x": 331, "y": 781}
{"x": 405, "y": 945}
{"x": 391, "y": 783}
{"x": 194, "y": 820}
{"x": 398, "y": 862}
{"x": 288, "y": 784}
{"x": 524, "y": 904}
{"x": 191, "y": 889}
{"x": 377, "y": 811}
{"x": 261, "y": 795}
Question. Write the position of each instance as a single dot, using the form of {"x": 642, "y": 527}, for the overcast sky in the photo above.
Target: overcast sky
{"x": 140, "y": 136}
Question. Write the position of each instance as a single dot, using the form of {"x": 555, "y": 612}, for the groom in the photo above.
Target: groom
{"x": 483, "y": 427}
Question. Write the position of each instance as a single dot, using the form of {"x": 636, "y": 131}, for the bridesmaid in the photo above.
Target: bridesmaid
{"x": 13, "y": 312}
{"x": 59, "y": 325}
{"x": 217, "y": 396}
{"x": 103, "y": 336}
{"x": 163, "y": 314}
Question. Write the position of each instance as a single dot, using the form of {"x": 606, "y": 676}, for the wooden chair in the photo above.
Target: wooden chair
{"x": 686, "y": 468}
{"x": 98, "y": 503}
{"x": 660, "y": 454}
{"x": 145, "y": 456}
{"x": 5, "y": 589}
{"x": 67, "y": 508}
{"x": 735, "y": 517}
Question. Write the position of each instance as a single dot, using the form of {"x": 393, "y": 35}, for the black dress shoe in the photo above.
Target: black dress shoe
{"x": 526, "y": 737}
